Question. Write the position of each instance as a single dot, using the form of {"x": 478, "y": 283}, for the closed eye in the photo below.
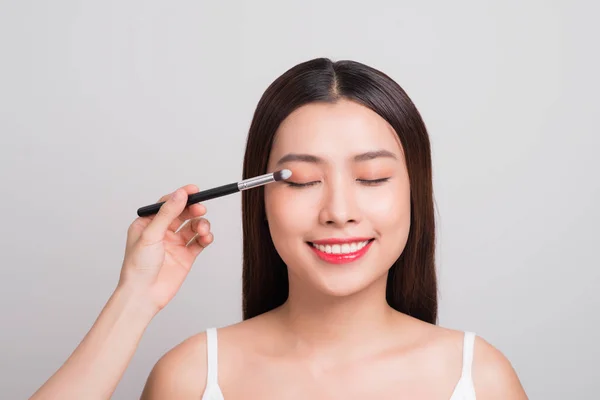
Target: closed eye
{"x": 368, "y": 182}
{"x": 299, "y": 185}
{"x": 373, "y": 182}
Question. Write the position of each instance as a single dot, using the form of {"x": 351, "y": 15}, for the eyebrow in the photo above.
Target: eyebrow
{"x": 309, "y": 158}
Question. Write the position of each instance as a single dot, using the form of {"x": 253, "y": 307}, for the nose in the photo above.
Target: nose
{"x": 339, "y": 206}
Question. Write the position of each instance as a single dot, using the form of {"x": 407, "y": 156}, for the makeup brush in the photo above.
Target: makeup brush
{"x": 222, "y": 190}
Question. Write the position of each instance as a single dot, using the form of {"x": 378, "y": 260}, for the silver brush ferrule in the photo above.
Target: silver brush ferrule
{"x": 256, "y": 181}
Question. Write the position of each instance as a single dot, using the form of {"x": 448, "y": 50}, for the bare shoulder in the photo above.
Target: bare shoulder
{"x": 493, "y": 375}
{"x": 180, "y": 373}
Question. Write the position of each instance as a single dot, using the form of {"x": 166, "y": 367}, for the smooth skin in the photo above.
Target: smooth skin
{"x": 335, "y": 337}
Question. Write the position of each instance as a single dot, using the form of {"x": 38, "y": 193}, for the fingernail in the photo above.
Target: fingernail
{"x": 176, "y": 195}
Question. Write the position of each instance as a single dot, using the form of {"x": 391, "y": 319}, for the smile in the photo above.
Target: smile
{"x": 340, "y": 252}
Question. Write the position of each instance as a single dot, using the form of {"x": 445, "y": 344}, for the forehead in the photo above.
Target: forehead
{"x": 334, "y": 130}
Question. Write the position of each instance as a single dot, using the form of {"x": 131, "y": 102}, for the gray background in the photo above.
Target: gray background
{"x": 106, "y": 106}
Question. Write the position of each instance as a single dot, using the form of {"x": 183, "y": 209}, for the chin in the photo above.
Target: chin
{"x": 345, "y": 283}
{"x": 341, "y": 290}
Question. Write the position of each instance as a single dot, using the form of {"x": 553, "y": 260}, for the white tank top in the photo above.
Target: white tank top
{"x": 464, "y": 389}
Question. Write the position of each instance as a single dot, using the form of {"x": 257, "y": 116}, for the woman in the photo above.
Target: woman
{"x": 339, "y": 282}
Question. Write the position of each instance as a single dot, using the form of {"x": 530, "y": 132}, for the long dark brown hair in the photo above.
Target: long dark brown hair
{"x": 411, "y": 283}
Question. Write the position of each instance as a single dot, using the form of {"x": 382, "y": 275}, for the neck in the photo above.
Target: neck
{"x": 317, "y": 321}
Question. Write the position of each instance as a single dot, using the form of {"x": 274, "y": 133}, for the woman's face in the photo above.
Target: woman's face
{"x": 343, "y": 217}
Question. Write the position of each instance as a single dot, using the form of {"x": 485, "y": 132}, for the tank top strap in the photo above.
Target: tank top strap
{"x": 468, "y": 350}
{"x": 212, "y": 357}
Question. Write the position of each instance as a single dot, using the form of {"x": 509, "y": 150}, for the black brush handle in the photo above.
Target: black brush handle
{"x": 193, "y": 198}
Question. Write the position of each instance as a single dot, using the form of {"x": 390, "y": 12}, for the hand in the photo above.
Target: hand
{"x": 158, "y": 257}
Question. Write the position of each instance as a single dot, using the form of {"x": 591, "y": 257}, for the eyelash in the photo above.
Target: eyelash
{"x": 373, "y": 182}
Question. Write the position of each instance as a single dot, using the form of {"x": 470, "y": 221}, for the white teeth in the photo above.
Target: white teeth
{"x": 345, "y": 248}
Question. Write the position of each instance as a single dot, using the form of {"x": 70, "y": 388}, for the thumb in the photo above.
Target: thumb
{"x": 156, "y": 230}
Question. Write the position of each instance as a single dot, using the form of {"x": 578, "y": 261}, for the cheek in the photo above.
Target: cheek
{"x": 389, "y": 209}
{"x": 289, "y": 205}
{"x": 288, "y": 221}
{"x": 286, "y": 213}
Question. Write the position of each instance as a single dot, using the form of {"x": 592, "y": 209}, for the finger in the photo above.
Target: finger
{"x": 167, "y": 214}
{"x": 199, "y": 243}
{"x": 200, "y": 226}
{"x": 192, "y": 211}
{"x": 189, "y": 189}
{"x": 189, "y": 213}
{"x": 138, "y": 226}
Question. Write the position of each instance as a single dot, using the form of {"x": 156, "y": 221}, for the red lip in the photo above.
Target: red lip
{"x": 340, "y": 240}
{"x": 341, "y": 258}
